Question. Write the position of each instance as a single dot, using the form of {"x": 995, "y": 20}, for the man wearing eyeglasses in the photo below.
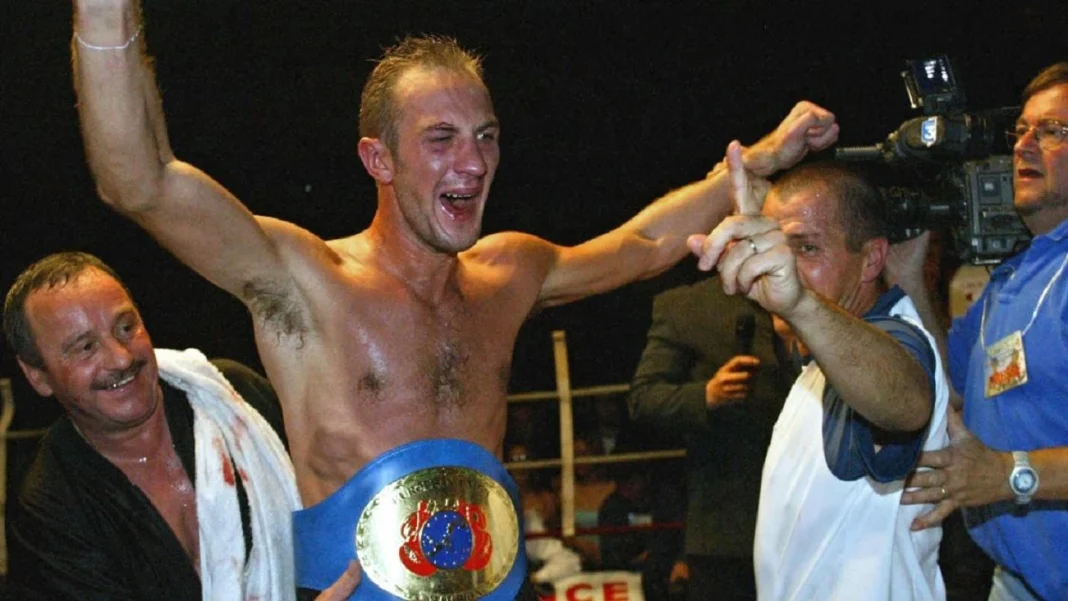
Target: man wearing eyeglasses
{"x": 1007, "y": 462}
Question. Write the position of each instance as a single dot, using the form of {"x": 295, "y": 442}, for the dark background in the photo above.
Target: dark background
{"x": 604, "y": 106}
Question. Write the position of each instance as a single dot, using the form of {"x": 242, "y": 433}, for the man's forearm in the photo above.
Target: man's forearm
{"x": 988, "y": 475}
{"x": 668, "y": 221}
{"x": 118, "y": 104}
{"x": 1052, "y": 468}
{"x": 871, "y": 371}
{"x": 700, "y": 206}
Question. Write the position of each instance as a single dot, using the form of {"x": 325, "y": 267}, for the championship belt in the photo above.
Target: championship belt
{"x": 432, "y": 520}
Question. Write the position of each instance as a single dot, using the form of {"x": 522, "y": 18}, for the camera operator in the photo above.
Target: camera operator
{"x": 1007, "y": 461}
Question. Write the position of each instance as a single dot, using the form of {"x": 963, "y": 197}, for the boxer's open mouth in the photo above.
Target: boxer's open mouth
{"x": 458, "y": 205}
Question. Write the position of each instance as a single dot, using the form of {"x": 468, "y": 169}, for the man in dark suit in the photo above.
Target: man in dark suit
{"x": 714, "y": 374}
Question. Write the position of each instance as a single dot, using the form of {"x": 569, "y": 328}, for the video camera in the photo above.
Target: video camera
{"x": 960, "y": 163}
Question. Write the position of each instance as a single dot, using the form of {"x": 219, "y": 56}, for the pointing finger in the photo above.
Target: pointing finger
{"x": 740, "y": 192}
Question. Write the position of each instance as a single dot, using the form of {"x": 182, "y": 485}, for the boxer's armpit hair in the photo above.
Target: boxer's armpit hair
{"x": 372, "y": 382}
{"x": 274, "y": 305}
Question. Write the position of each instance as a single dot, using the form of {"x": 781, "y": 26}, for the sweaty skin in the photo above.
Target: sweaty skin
{"x": 391, "y": 336}
{"x": 100, "y": 366}
{"x": 407, "y": 367}
{"x": 405, "y": 330}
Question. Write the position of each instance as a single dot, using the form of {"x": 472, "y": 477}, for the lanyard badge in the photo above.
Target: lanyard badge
{"x": 1006, "y": 364}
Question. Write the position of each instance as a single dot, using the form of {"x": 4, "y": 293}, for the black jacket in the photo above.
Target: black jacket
{"x": 80, "y": 530}
{"x": 691, "y": 336}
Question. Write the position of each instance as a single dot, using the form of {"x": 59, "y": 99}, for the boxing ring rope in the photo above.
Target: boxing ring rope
{"x": 564, "y": 394}
{"x": 608, "y": 530}
{"x": 567, "y": 461}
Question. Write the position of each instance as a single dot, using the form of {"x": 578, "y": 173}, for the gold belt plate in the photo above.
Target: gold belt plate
{"x": 439, "y": 534}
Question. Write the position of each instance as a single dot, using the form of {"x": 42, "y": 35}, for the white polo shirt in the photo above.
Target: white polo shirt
{"x": 822, "y": 538}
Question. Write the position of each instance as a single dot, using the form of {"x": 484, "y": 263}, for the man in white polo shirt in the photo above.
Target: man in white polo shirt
{"x": 871, "y": 395}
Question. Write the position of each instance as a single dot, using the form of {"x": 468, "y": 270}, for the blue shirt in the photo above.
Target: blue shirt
{"x": 849, "y": 439}
{"x": 1031, "y": 541}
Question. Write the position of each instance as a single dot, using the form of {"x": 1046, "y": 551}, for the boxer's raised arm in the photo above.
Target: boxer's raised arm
{"x": 656, "y": 238}
{"x": 130, "y": 156}
{"x": 644, "y": 246}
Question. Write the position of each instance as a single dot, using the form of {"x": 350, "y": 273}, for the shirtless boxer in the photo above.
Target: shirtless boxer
{"x": 403, "y": 332}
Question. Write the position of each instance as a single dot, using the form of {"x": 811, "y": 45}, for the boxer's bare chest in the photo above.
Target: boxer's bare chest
{"x": 440, "y": 356}
{"x": 394, "y": 366}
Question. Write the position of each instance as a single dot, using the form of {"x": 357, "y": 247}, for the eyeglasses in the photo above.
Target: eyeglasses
{"x": 1049, "y": 134}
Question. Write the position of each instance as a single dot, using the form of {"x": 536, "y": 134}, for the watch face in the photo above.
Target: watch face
{"x": 1023, "y": 481}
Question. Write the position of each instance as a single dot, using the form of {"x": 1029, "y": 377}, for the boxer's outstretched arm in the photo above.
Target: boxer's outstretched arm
{"x": 655, "y": 239}
{"x": 131, "y": 160}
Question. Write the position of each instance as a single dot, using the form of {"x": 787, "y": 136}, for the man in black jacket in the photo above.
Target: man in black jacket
{"x": 160, "y": 482}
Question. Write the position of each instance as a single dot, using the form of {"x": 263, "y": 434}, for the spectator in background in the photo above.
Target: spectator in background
{"x": 535, "y": 428}
{"x": 550, "y": 559}
{"x": 714, "y": 375}
{"x": 645, "y": 495}
{"x": 628, "y": 505}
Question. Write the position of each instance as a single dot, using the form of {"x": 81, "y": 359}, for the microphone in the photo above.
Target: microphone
{"x": 744, "y": 330}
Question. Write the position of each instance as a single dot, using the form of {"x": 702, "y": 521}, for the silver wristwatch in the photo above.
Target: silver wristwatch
{"x": 1024, "y": 479}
